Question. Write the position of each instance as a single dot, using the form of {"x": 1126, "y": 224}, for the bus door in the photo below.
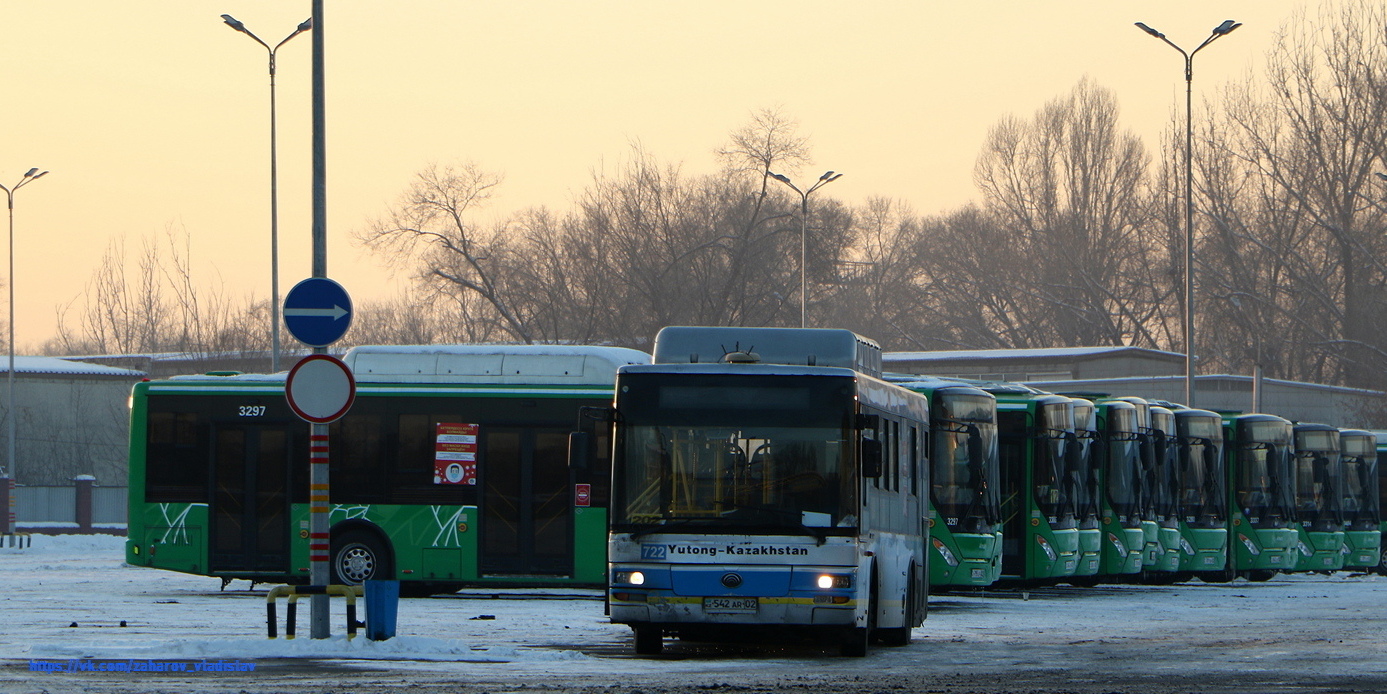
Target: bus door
{"x": 526, "y": 510}
{"x": 249, "y": 509}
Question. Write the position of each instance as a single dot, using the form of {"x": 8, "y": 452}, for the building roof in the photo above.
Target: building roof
{"x": 1024, "y": 354}
{"x": 65, "y": 367}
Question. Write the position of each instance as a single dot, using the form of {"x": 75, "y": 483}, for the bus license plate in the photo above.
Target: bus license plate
{"x": 729, "y": 604}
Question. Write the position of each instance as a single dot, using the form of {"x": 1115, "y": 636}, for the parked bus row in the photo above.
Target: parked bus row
{"x": 739, "y": 479}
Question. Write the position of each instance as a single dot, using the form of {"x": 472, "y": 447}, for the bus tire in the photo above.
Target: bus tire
{"x": 1381, "y": 567}
{"x": 650, "y": 640}
{"x": 359, "y": 556}
{"x": 1261, "y": 575}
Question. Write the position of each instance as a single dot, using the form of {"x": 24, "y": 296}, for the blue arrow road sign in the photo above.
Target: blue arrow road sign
{"x": 317, "y": 311}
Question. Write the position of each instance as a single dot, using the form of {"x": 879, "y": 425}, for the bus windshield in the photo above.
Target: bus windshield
{"x": 1265, "y": 489}
{"x": 706, "y": 451}
{"x": 1053, "y": 497}
{"x": 1201, "y": 495}
{"x": 1083, "y": 474}
{"x": 965, "y": 487}
{"x": 1360, "y": 480}
{"x": 1318, "y": 476}
{"x": 1123, "y": 464}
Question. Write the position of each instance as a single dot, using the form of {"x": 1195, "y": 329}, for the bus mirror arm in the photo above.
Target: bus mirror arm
{"x": 606, "y": 415}
{"x": 579, "y": 447}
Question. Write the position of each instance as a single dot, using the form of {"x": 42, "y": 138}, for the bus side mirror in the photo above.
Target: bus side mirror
{"x": 974, "y": 448}
{"x": 579, "y": 450}
{"x": 871, "y": 458}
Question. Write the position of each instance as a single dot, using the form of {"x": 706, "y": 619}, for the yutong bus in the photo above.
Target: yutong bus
{"x": 219, "y": 468}
{"x": 785, "y": 490}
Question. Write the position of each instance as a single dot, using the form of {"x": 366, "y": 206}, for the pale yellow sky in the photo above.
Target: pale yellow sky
{"x": 154, "y": 115}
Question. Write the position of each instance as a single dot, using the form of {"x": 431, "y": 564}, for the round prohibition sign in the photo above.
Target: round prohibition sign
{"x": 320, "y": 388}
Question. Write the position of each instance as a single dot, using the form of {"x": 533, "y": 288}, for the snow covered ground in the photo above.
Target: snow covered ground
{"x": 71, "y": 605}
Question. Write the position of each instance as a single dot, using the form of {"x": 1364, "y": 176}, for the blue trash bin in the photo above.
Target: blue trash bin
{"x": 382, "y": 603}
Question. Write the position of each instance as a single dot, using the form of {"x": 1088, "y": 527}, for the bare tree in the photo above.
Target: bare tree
{"x": 1313, "y": 141}
{"x": 457, "y": 255}
{"x": 1071, "y": 188}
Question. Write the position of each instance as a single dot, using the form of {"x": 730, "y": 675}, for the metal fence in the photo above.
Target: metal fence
{"x": 59, "y": 505}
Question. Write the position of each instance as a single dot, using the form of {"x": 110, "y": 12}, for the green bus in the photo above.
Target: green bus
{"x": 1086, "y": 483}
{"x": 1120, "y": 467}
{"x": 1201, "y": 496}
{"x": 1159, "y": 485}
{"x": 1263, "y": 532}
{"x": 1319, "y": 481}
{"x": 965, "y": 502}
{"x": 1038, "y": 453}
{"x": 451, "y": 468}
{"x": 1362, "y": 509}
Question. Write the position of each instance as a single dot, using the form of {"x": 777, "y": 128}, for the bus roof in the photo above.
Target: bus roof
{"x": 492, "y": 364}
{"x": 679, "y": 344}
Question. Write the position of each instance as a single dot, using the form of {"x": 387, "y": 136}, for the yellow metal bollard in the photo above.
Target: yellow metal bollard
{"x": 351, "y": 593}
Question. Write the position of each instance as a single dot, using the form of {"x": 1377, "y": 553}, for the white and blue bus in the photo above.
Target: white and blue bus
{"x": 767, "y": 480}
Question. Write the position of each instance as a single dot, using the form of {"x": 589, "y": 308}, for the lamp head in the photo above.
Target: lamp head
{"x": 234, "y": 23}
{"x": 1226, "y": 27}
{"x": 827, "y": 175}
{"x": 30, "y": 173}
{"x": 779, "y": 177}
{"x": 305, "y": 25}
{"x": 1150, "y": 31}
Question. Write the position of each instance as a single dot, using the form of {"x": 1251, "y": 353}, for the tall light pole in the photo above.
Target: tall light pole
{"x": 274, "y": 183}
{"x": 29, "y": 177}
{"x": 825, "y": 179}
{"x": 1223, "y": 29}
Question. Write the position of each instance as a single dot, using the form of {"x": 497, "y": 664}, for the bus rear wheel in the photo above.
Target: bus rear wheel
{"x": 358, "y": 557}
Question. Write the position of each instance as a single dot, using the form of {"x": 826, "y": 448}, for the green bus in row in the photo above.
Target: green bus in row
{"x": 451, "y": 467}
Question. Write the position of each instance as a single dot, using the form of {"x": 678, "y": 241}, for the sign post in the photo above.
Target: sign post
{"x": 320, "y": 389}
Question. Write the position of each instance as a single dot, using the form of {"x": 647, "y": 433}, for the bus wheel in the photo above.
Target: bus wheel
{"x": 650, "y": 640}
{"x": 358, "y": 557}
{"x": 1260, "y": 575}
{"x": 1381, "y": 567}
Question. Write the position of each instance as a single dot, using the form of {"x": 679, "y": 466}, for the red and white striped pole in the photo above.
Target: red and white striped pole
{"x": 319, "y": 542}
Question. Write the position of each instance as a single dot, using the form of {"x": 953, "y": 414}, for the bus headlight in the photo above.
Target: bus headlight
{"x": 1186, "y": 546}
{"x": 826, "y": 581}
{"x": 949, "y": 557}
{"x": 1049, "y": 551}
{"x": 633, "y": 578}
{"x": 1249, "y": 544}
{"x": 1118, "y": 544}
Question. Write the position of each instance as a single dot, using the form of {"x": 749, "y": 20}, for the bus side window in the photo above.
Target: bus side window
{"x": 176, "y": 466}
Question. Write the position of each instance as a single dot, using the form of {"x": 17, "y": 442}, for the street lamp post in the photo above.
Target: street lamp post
{"x": 274, "y": 183}
{"x": 1223, "y": 29}
{"x": 825, "y": 179}
{"x": 29, "y": 177}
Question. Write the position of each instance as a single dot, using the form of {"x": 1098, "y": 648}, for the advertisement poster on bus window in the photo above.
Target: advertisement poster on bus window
{"x": 455, "y": 454}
